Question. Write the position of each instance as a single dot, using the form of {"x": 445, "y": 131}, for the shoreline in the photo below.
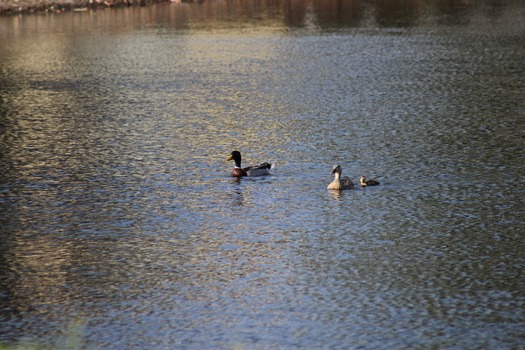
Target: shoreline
{"x": 21, "y": 7}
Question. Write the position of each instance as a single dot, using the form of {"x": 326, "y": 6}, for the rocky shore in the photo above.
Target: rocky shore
{"x": 12, "y": 7}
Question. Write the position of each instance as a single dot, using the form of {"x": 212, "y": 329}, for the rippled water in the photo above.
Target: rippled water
{"x": 121, "y": 228}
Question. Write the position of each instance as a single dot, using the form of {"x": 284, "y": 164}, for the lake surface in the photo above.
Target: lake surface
{"x": 120, "y": 227}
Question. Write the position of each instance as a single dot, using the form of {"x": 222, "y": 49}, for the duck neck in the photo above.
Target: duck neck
{"x": 237, "y": 163}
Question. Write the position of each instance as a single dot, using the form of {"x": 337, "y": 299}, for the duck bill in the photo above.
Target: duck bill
{"x": 230, "y": 157}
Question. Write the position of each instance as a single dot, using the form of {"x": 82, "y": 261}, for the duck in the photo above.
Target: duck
{"x": 257, "y": 170}
{"x": 364, "y": 182}
{"x": 340, "y": 183}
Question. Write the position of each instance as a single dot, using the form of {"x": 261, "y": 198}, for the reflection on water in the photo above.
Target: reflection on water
{"x": 119, "y": 224}
{"x": 218, "y": 16}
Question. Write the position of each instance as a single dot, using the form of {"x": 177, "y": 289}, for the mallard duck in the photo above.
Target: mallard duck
{"x": 364, "y": 182}
{"x": 340, "y": 183}
{"x": 259, "y": 170}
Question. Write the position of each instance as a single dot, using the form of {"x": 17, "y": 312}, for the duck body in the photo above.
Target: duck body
{"x": 364, "y": 182}
{"x": 340, "y": 183}
{"x": 257, "y": 170}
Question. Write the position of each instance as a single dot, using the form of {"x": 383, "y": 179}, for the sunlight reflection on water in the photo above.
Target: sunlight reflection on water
{"x": 120, "y": 224}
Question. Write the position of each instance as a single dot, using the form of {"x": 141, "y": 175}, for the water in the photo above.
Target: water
{"x": 120, "y": 227}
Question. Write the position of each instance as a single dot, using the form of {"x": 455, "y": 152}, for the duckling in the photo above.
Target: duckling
{"x": 364, "y": 182}
{"x": 259, "y": 170}
{"x": 339, "y": 183}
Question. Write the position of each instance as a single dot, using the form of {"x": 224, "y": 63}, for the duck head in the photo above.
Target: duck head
{"x": 236, "y": 156}
{"x": 336, "y": 169}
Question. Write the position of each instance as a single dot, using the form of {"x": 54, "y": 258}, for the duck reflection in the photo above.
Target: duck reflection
{"x": 237, "y": 194}
{"x": 335, "y": 194}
